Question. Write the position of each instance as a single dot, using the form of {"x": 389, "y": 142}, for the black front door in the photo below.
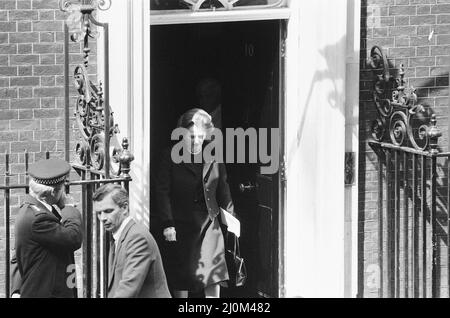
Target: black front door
{"x": 244, "y": 58}
{"x": 252, "y": 102}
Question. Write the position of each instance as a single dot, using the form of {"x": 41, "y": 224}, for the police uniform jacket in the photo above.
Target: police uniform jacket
{"x": 44, "y": 247}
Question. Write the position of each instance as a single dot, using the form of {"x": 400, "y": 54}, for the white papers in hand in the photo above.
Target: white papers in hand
{"x": 231, "y": 222}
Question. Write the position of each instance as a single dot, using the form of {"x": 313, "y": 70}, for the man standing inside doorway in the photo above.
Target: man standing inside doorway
{"x": 209, "y": 94}
{"x": 135, "y": 265}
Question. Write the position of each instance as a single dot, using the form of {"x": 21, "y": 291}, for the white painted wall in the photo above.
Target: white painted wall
{"x": 316, "y": 53}
{"x": 352, "y": 145}
{"x": 130, "y": 90}
{"x": 116, "y": 16}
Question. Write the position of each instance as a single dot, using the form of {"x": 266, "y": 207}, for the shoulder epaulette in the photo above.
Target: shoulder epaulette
{"x": 35, "y": 209}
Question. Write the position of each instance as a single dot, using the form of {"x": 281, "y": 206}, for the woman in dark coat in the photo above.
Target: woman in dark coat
{"x": 189, "y": 196}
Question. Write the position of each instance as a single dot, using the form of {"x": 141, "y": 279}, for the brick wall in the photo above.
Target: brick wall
{"x": 31, "y": 89}
{"x": 403, "y": 28}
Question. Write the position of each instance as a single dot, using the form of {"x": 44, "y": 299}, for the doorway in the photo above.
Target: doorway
{"x": 244, "y": 57}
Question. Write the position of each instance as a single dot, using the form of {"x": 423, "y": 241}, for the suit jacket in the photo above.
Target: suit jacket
{"x": 175, "y": 197}
{"x": 137, "y": 270}
{"x": 44, "y": 250}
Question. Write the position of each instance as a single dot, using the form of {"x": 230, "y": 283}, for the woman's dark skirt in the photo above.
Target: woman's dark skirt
{"x": 197, "y": 259}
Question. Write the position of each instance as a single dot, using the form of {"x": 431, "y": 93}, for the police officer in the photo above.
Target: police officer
{"x": 47, "y": 233}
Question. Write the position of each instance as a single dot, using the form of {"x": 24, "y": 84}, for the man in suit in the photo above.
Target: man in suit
{"x": 47, "y": 234}
{"x": 209, "y": 95}
{"x": 135, "y": 265}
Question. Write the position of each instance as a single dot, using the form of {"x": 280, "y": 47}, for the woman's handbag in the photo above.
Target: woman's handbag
{"x": 235, "y": 263}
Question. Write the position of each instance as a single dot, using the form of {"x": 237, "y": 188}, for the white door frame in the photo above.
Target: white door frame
{"x": 130, "y": 99}
{"x": 239, "y": 16}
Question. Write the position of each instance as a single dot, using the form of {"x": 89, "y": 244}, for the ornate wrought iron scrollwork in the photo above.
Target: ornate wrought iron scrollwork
{"x": 401, "y": 120}
{"x": 90, "y": 107}
{"x": 77, "y": 23}
{"x": 82, "y": 152}
{"x": 197, "y": 4}
{"x": 67, "y": 5}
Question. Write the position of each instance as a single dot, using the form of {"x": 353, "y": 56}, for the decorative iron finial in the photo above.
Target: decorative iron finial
{"x": 125, "y": 158}
{"x": 433, "y": 134}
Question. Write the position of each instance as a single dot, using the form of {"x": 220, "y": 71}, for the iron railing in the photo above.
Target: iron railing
{"x": 94, "y": 161}
{"x": 413, "y": 191}
{"x": 412, "y": 197}
{"x": 94, "y": 240}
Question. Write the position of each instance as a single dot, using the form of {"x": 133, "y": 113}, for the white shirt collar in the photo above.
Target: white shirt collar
{"x": 118, "y": 233}
{"x": 48, "y": 206}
